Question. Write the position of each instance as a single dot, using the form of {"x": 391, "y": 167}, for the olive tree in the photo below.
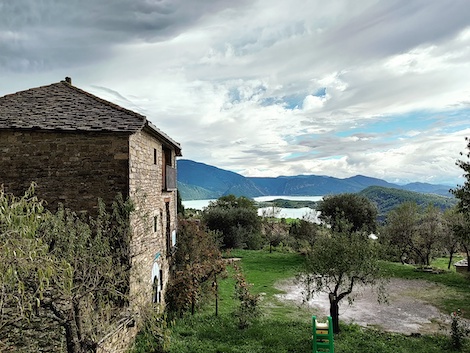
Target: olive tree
{"x": 400, "y": 229}
{"x": 338, "y": 263}
{"x": 430, "y": 231}
{"x": 414, "y": 234}
{"x": 344, "y": 256}
{"x": 450, "y": 241}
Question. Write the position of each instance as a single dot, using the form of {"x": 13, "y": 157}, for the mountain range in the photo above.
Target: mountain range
{"x": 198, "y": 181}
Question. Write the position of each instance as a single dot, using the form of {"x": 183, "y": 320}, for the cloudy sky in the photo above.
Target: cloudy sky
{"x": 266, "y": 87}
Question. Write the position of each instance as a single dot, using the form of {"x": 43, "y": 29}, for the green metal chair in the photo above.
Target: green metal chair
{"x": 322, "y": 340}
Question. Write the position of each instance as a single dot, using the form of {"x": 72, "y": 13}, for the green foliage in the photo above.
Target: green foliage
{"x": 387, "y": 199}
{"x": 416, "y": 235}
{"x": 274, "y": 230}
{"x": 283, "y": 203}
{"x": 357, "y": 210}
{"x": 236, "y": 219}
{"x": 26, "y": 267}
{"x": 248, "y": 310}
{"x": 288, "y": 328}
{"x": 400, "y": 227}
{"x": 179, "y": 204}
{"x": 336, "y": 264}
{"x": 454, "y": 291}
{"x": 462, "y": 193}
{"x": 73, "y": 269}
{"x": 154, "y": 336}
{"x": 458, "y": 330}
{"x": 303, "y": 235}
{"x": 197, "y": 260}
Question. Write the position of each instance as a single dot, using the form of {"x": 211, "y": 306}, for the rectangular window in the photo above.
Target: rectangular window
{"x": 155, "y": 223}
{"x": 154, "y": 156}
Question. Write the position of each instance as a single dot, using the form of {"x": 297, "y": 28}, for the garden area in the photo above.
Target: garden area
{"x": 284, "y": 325}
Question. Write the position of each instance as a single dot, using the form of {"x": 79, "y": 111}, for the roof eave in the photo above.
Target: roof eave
{"x": 167, "y": 140}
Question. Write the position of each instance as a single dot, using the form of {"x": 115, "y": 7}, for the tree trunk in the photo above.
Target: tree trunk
{"x": 334, "y": 312}
{"x": 468, "y": 258}
{"x": 71, "y": 336}
{"x": 450, "y": 259}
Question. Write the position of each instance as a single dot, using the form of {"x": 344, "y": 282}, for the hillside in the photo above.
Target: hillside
{"x": 387, "y": 199}
{"x": 198, "y": 181}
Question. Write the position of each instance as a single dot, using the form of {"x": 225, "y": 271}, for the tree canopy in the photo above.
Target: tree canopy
{"x": 359, "y": 212}
{"x": 236, "y": 218}
{"x": 337, "y": 263}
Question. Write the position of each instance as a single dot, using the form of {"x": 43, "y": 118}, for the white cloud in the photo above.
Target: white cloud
{"x": 268, "y": 87}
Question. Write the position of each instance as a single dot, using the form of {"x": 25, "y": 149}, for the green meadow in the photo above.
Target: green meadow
{"x": 286, "y": 327}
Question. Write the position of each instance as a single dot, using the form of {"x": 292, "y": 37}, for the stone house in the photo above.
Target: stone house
{"x": 78, "y": 147}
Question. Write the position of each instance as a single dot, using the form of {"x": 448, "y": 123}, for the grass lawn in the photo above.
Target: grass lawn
{"x": 287, "y": 328}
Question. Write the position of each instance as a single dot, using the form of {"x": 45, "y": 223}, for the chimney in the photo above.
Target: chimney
{"x": 68, "y": 80}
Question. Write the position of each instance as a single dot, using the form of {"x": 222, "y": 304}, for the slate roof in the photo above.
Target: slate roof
{"x": 64, "y": 107}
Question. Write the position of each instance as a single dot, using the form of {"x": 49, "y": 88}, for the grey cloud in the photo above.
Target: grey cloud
{"x": 52, "y": 32}
{"x": 394, "y": 27}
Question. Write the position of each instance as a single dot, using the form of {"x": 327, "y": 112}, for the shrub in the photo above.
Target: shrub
{"x": 249, "y": 309}
{"x": 458, "y": 330}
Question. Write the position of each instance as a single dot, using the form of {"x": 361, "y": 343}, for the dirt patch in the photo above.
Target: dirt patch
{"x": 405, "y": 311}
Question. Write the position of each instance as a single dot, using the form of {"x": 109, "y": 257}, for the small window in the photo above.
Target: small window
{"x": 155, "y": 223}
{"x": 154, "y": 156}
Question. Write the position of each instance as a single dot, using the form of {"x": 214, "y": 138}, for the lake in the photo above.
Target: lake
{"x": 283, "y": 213}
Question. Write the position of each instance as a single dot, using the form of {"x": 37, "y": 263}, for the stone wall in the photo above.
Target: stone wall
{"x": 73, "y": 168}
{"x": 149, "y": 245}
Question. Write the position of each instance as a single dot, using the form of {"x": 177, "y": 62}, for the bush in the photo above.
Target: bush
{"x": 236, "y": 219}
{"x": 458, "y": 330}
{"x": 249, "y": 309}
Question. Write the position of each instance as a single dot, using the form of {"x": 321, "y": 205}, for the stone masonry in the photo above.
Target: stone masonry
{"x": 77, "y": 148}
{"x": 73, "y": 168}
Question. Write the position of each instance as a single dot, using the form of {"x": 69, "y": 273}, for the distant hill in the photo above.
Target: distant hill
{"x": 197, "y": 181}
{"x": 314, "y": 185}
{"x": 201, "y": 181}
{"x": 387, "y": 199}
